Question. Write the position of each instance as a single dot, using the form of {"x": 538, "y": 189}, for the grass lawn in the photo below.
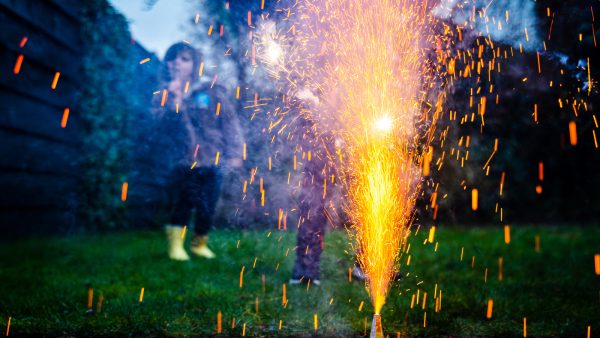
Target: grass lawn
{"x": 44, "y": 286}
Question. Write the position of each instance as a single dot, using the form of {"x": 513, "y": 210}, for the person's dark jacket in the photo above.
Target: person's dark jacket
{"x": 206, "y": 120}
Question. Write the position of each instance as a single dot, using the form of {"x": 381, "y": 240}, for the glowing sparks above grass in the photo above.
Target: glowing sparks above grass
{"x": 374, "y": 80}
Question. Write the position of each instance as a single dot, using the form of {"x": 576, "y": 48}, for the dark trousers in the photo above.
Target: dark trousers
{"x": 310, "y": 241}
{"x": 194, "y": 190}
{"x": 311, "y": 232}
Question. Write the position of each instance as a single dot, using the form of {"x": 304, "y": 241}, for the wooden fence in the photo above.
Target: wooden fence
{"x": 40, "y": 144}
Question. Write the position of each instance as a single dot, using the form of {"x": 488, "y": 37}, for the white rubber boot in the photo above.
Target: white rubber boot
{"x": 200, "y": 247}
{"x": 176, "y": 250}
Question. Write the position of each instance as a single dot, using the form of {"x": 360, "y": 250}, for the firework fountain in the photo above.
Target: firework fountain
{"x": 358, "y": 70}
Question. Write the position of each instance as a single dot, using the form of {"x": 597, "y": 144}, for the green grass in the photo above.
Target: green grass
{"x": 44, "y": 286}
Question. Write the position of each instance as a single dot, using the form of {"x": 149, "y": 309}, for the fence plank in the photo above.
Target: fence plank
{"x": 23, "y": 152}
{"x": 57, "y": 25}
{"x": 70, "y": 7}
{"x": 33, "y": 117}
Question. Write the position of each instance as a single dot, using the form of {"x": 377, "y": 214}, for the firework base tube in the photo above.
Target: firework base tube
{"x": 376, "y": 329}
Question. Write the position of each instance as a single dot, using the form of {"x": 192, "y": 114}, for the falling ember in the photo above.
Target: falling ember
{"x": 474, "y": 199}
{"x": 507, "y": 234}
{"x": 142, "y": 295}
{"x": 124, "y": 191}
{"x": 573, "y": 133}
{"x": 18, "y": 64}
{"x": 9, "y": 318}
{"x": 242, "y": 276}
{"x": 163, "y": 99}
{"x": 283, "y": 296}
{"x": 65, "y": 118}
{"x": 538, "y": 189}
{"x": 23, "y": 42}
{"x": 597, "y": 263}
{"x": 219, "y": 322}
{"x": 55, "y": 80}
{"x": 90, "y": 298}
{"x": 490, "y": 307}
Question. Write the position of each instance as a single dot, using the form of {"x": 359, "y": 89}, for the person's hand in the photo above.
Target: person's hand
{"x": 176, "y": 92}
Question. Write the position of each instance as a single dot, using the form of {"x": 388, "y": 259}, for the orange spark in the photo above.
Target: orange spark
{"x": 474, "y": 199}
{"x": 90, "y": 298}
{"x": 164, "y": 98}
{"x": 573, "y": 133}
{"x": 490, "y": 307}
{"x": 65, "y": 117}
{"x": 219, "y": 322}
{"x": 23, "y": 42}
{"x": 284, "y": 295}
{"x": 124, "y": 191}
{"x": 55, "y": 80}
{"x": 242, "y": 276}
{"x": 18, "y": 64}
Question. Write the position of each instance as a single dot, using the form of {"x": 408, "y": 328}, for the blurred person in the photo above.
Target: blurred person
{"x": 317, "y": 198}
{"x": 319, "y": 203}
{"x": 313, "y": 202}
{"x": 197, "y": 136}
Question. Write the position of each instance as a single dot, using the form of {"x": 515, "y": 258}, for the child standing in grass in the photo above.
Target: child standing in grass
{"x": 197, "y": 135}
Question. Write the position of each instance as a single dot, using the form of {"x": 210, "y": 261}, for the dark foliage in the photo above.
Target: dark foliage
{"x": 114, "y": 98}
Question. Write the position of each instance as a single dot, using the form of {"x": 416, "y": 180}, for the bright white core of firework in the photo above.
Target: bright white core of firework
{"x": 273, "y": 52}
{"x": 384, "y": 123}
